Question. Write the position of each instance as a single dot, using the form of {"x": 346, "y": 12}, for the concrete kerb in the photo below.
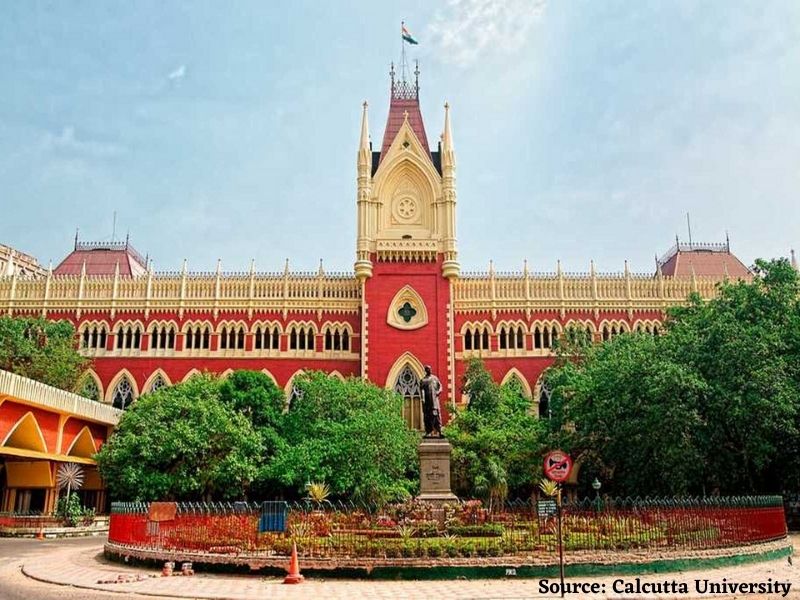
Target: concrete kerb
{"x": 588, "y": 564}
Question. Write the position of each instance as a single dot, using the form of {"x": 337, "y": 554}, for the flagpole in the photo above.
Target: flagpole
{"x": 402, "y": 52}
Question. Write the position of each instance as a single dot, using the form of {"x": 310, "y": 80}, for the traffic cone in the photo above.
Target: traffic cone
{"x": 40, "y": 533}
{"x": 294, "y": 568}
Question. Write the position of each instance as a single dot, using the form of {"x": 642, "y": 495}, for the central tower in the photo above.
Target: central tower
{"x": 406, "y": 192}
{"x": 406, "y": 255}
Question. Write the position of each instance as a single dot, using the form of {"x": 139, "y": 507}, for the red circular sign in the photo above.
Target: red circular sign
{"x": 557, "y": 465}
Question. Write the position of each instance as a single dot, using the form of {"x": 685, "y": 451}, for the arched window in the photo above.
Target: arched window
{"x": 267, "y": 338}
{"x": 503, "y": 343}
{"x": 520, "y": 339}
{"x": 89, "y": 389}
{"x": 163, "y": 337}
{"x": 129, "y": 337}
{"x": 485, "y": 340}
{"x": 337, "y": 338}
{"x": 198, "y": 337}
{"x": 537, "y": 338}
{"x": 123, "y": 394}
{"x": 407, "y": 385}
{"x": 94, "y": 337}
{"x": 158, "y": 383}
{"x": 301, "y": 338}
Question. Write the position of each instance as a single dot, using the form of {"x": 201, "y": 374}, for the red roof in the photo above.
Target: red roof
{"x": 101, "y": 259}
{"x": 705, "y": 260}
{"x": 401, "y": 103}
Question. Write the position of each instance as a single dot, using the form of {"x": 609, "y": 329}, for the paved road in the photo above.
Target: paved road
{"x": 74, "y": 562}
{"x": 15, "y": 586}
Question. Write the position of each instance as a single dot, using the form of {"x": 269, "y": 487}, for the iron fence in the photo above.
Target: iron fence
{"x": 416, "y": 530}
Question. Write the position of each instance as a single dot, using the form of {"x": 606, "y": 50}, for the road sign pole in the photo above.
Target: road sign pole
{"x": 560, "y": 541}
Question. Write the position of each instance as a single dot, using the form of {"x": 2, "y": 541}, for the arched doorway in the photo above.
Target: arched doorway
{"x": 407, "y": 385}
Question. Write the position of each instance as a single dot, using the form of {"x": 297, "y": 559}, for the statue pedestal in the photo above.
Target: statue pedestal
{"x": 434, "y": 471}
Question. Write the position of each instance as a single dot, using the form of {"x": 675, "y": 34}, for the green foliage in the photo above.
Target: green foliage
{"x": 214, "y": 439}
{"x": 181, "y": 443}
{"x": 349, "y": 434}
{"x": 70, "y": 509}
{"x": 713, "y": 404}
{"x": 42, "y": 350}
{"x": 497, "y": 440}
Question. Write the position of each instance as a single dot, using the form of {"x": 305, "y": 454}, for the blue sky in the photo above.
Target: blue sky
{"x": 583, "y": 130}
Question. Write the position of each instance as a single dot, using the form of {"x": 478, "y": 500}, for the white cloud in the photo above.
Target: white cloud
{"x": 467, "y": 29}
{"x": 177, "y": 74}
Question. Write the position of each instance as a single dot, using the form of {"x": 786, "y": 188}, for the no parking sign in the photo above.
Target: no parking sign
{"x": 557, "y": 466}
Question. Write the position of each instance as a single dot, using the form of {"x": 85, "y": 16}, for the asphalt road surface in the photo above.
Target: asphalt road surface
{"x": 15, "y": 586}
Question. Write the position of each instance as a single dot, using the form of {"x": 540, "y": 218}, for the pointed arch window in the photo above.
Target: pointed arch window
{"x": 301, "y": 338}
{"x": 198, "y": 337}
{"x": 163, "y": 337}
{"x": 267, "y": 338}
{"x": 408, "y": 386}
{"x": 123, "y": 393}
{"x": 158, "y": 383}
{"x": 94, "y": 337}
{"x": 89, "y": 389}
{"x": 337, "y": 338}
{"x": 129, "y": 337}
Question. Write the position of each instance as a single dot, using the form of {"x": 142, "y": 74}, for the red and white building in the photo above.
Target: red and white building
{"x": 406, "y": 304}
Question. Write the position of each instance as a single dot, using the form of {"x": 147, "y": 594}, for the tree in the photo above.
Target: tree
{"x": 349, "y": 434}
{"x": 631, "y": 413}
{"x": 42, "y": 350}
{"x": 497, "y": 439}
{"x": 745, "y": 344}
{"x": 712, "y": 405}
{"x": 181, "y": 443}
{"x": 254, "y": 395}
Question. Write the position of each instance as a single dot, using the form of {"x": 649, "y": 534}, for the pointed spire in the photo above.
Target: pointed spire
{"x": 447, "y": 134}
{"x": 76, "y": 238}
{"x": 252, "y": 266}
{"x": 116, "y": 270}
{"x": 591, "y": 267}
{"x": 286, "y": 267}
{"x": 659, "y": 274}
{"x": 491, "y": 267}
{"x": 627, "y": 271}
{"x": 50, "y": 269}
{"x": 321, "y": 271}
{"x": 525, "y": 267}
{"x": 794, "y": 260}
{"x": 183, "y": 268}
{"x": 364, "y": 147}
{"x": 83, "y": 268}
{"x": 364, "y": 142}
{"x": 558, "y": 267}
{"x": 219, "y": 266}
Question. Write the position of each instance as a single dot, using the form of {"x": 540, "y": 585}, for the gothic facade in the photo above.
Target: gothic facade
{"x": 406, "y": 303}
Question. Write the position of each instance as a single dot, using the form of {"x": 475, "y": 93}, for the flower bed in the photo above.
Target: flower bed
{"x": 468, "y": 530}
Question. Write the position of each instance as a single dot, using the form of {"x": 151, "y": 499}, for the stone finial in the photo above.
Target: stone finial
{"x": 794, "y": 259}
{"x": 286, "y": 267}
{"x": 252, "y": 266}
{"x": 184, "y": 267}
{"x": 219, "y": 266}
{"x": 321, "y": 271}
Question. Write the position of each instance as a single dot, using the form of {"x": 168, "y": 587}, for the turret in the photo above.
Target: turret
{"x": 363, "y": 265}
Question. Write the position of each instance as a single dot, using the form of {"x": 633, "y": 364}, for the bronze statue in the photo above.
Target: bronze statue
{"x": 431, "y": 388}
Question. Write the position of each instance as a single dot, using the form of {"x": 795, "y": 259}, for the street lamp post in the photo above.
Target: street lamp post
{"x": 596, "y": 485}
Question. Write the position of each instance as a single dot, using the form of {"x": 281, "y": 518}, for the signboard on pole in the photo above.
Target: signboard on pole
{"x": 557, "y": 466}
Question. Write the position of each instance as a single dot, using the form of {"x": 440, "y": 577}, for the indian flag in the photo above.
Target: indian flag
{"x": 407, "y": 37}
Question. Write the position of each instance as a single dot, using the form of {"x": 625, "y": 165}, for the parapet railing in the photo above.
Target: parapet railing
{"x": 49, "y": 397}
{"x": 417, "y": 530}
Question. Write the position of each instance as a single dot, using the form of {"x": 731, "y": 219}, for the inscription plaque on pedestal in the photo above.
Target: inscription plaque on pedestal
{"x": 434, "y": 471}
